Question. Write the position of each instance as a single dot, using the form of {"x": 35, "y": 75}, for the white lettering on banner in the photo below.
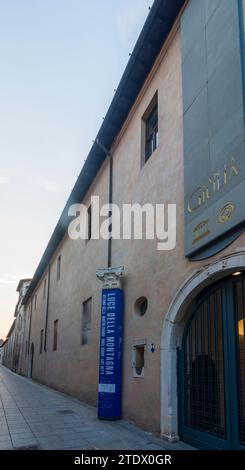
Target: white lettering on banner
{"x": 107, "y": 388}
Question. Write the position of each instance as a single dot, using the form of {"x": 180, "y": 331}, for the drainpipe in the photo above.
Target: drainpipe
{"x": 108, "y": 154}
{"x": 47, "y": 311}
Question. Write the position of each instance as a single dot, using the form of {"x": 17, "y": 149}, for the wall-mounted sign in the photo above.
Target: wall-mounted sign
{"x": 213, "y": 102}
{"x": 110, "y": 364}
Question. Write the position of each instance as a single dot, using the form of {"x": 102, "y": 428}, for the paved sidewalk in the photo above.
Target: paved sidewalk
{"x": 35, "y": 416}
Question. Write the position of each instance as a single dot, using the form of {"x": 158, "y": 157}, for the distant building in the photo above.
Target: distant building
{"x": 14, "y": 346}
{"x": 20, "y": 316}
{"x": 1, "y": 350}
{"x": 8, "y": 355}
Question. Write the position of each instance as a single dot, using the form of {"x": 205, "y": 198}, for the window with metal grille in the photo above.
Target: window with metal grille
{"x": 239, "y": 293}
{"x": 86, "y": 321}
{"x": 204, "y": 368}
{"x": 150, "y": 130}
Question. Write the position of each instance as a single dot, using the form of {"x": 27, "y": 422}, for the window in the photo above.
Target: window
{"x": 44, "y": 288}
{"x": 58, "y": 267}
{"x": 35, "y": 302}
{"x": 55, "y": 342}
{"x": 41, "y": 342}
{"x": 150, "y": 129}
{"x": 20, "y": 323}
{"x": 86, "y": 321}
{"x": 26, "y": 348}
{"x": 139, "y": 359}
{"x": 140, "y": 306}
{"x": 89, "y": 222}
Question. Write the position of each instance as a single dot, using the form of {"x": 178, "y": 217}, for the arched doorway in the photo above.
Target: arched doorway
{"x": 174, "y": 329}
{"x": 211, "y": 368}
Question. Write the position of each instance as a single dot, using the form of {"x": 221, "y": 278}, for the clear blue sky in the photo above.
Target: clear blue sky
{"x": 60, "y": 62}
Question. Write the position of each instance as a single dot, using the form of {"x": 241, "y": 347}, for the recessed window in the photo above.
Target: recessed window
{"x": 89, "y": 222}
{"x": 35, "y": 302}
{"x": 86, "y": 321}
{"x": 139, "y": 359}
{"x": 140, "y": 306}
{"x": 55, "y": 340}
{"x": 20, "y": 323}
{"x": 44, "y": 288}
{"x": 41, "y": 342}
{"x": 58, "y": 267}
{"x": 150, "y": 130}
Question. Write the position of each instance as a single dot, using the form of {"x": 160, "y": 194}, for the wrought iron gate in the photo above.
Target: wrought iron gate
{"x": 211, "y": 372}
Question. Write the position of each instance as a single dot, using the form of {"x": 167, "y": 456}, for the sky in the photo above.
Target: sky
{"x": 60, "y": 63}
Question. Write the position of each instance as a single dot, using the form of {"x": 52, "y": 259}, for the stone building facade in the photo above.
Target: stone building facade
{"x": 173, "y": 129}
{"x": 8, "y": 351}
{"x": 20, "y": 346}
{"x": 1, "y": 350}
{"x": 15, "y": 346}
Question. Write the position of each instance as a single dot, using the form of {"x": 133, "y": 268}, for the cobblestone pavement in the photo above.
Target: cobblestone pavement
{"x": 35, "y": 416}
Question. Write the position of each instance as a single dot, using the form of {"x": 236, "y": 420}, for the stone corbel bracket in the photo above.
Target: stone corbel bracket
{"x": 111, "y": 277}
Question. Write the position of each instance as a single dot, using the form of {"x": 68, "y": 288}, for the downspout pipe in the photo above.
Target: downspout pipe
{"x": 109, "y": 156}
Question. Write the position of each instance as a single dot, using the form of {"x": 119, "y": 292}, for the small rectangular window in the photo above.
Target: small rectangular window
{"x": 150, "y": 130}
{"x": 44, "y": 288}
{"x": 89, "y": 222}
{"x": 35, "y": 302}
{"x": 41, "y": 342}
{"x": 86, "y": 321}
{"x": 55, "y": 342}
{"x": 58, "y": 267}
{"x": 26, "y": 348}
{"x": 139, "y": 359}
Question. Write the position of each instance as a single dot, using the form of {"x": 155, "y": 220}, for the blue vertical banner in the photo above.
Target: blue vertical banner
{"x": 110, "y": 365}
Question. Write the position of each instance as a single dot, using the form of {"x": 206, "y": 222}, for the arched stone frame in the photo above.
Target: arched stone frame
{"x": 173, "y": 328}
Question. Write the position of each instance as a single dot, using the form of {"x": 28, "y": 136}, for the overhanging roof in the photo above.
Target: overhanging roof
{"x": 152, "y": 37}
{"x": 21, "y": 282}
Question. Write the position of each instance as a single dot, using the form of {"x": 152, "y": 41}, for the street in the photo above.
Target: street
{"x": 33, "y": 416}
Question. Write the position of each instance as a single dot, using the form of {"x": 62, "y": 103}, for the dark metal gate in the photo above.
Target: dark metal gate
{"x": 211, "y": 372}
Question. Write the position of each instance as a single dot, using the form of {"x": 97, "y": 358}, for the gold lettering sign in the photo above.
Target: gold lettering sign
{"x": 226, "y": 213}
{"x": 215, "y": 182}
{"x": 200, "y": 231}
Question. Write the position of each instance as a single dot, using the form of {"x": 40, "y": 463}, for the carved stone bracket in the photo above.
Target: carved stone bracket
{"x": 111, "y": 277}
